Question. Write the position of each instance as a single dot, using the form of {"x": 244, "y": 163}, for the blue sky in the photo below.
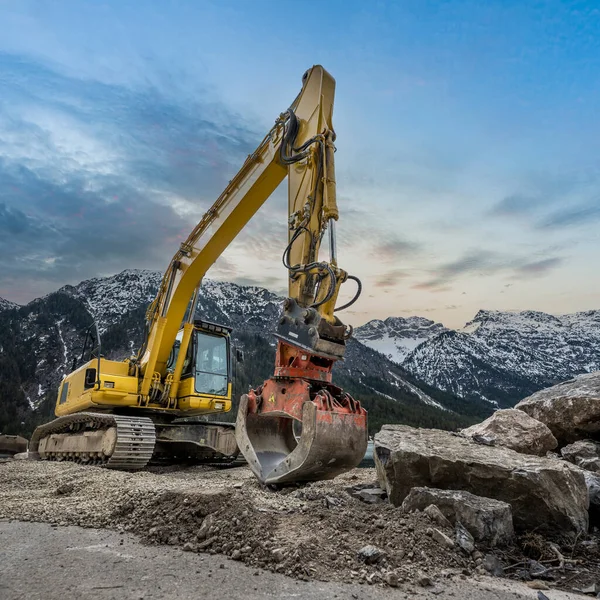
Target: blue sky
{"x": 467, "y": 137}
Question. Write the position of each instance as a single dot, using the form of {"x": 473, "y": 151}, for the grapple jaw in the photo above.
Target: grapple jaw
{"x": 292, "y": 430}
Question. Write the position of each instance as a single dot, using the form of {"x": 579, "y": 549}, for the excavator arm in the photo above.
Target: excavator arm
{"x": 312, "y": 206}
{"x": 297, "y": 425}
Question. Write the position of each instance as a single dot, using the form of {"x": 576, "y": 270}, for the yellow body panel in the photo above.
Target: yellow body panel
{"x": 124, "y": 394}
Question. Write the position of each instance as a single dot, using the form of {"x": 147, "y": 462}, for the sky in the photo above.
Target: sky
{"x": 468, "y": 144}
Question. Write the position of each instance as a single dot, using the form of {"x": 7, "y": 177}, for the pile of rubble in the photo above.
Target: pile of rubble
{"x": 527, "y": 476}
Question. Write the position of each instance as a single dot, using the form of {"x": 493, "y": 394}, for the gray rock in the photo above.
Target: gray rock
{"x": 442, "y": 539}
{"x": 22, "y": 456}
{"x": 516, "y": 430}
{"x": 370, "y": 495}
{"x": 436, "y": 515}
{"x": 493, "y": 565}
{"x": 571, "y": 409}
{"x": 464, "y": 539}
{"x": 584, "y": 454}
{"x": 487, "y": 520}
{"x": 545, "y": 494}
{"x": 370, "y": 554}
{"x": 592, "y": 481}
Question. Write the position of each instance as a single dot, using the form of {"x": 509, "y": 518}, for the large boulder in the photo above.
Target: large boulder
{"x": 486, "y": 519}
{"x": 571, "y": 409}
{"x": 584, "y": 454}
{"x": 516, "y": 430}
{"x": 544, "y": 493}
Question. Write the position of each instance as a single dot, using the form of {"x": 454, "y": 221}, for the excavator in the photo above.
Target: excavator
{"x": 298, "y": 425}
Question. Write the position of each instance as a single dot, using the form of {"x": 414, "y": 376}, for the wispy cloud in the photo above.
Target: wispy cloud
{"x": 482, "y": 263}
{"x": 394, "y": 247}
{"x": 97, "y": 177}
{"x": 572, "y": 216}
{"x": 516, "y": 205}
{"x": 391, "y": 278}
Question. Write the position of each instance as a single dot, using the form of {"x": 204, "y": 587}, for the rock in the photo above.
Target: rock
{"x": 436, "y": 515}
{"x": 592, "y": 589}
{"x": 464, "y": 539}
{"x": 278, "y": 555}
{"x": 544, "y": 494}
{"x": 21, "y": 456}
{"x": 236, "y": 555}
{"x": 571, "y": 409}
{"x": 536, "y": 584}
{"x": 492, "y": 565}
{"x": 370, "y": 554}
{"x": 424, "y": 580}
{"x": 188, "y": 547}
{"x": 516, "y": 430}
{"x": 442, "y": 538}
{"x": 487, "y": 520}
{"x": 592, "y": 481}
{"x": 584, "y": 454}
{"x": 205, "y": 527}
{"x": 391, "y": 579}
{"x": 372, "y": 495}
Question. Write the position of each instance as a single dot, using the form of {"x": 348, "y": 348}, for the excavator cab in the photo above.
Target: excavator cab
{"x": 207, "y": 369}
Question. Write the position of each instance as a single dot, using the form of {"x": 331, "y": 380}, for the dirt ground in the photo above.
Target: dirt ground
{"x": 311, "y": 532}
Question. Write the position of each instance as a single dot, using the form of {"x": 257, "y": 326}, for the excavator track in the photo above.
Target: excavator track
{"x": 130, "y": 442}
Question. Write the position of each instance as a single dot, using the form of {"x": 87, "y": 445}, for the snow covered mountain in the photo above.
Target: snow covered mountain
{"x": 39, "y": 341}
{"x": 502, "y": 357}
{"x": 7, "y": 304}
{"x": 397, "y": 337}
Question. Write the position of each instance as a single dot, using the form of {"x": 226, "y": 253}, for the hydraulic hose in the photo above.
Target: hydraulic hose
{"x": 356, "y": 296}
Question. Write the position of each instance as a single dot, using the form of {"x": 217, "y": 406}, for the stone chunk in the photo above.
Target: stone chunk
{"x": 584, "y": 454}
{"x": 516, "y": 430}
{"x": 571, "y": 409}
{"x": 464, "y": 539}
{"x": 442, "y": 539}
{"x": 370, "y": 554}
{"x": 487, "y": 520}
{"x": 544, "y": 494}
{"x": 436, "y": 515}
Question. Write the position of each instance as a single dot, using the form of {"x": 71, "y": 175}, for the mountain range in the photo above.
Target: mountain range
{"x": 498, "y": 357}
{"x": 410, "y": 370}
{"x": 39, "y": 341}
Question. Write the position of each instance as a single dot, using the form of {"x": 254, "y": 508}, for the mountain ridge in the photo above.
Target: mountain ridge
{"x": 39, "y": 341}
{"x": 498, "y": 356}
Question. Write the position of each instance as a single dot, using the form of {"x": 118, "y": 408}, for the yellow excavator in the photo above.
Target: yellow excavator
{"x": 296, "y": 426}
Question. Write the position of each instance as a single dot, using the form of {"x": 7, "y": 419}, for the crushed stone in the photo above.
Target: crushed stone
{"x": 317, "y": 530}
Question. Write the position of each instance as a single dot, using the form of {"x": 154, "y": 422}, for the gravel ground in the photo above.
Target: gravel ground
{"x": 310, "y": 532}
{"x": 41, "y": 562}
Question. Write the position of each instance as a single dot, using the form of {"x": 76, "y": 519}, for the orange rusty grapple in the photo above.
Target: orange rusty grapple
{"x": 298, "y": 425}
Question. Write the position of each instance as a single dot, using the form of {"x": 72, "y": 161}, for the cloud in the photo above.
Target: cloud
{"x": 394, "y": 247}
{"x": 390, "y": 278}
{"x": 572, "y": 216}
{"x": 471, "y": 262}
{"x": 99, "y": 177}
{"x": 537, "y": 268}
{"x": 516, "y": 205}
{"x": 483, "y": 263}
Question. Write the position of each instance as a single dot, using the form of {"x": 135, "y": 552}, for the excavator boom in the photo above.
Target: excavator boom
{"x": 297, "y": 425}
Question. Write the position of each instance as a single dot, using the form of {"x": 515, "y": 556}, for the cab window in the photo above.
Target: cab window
{"x": 211, "y": 364}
